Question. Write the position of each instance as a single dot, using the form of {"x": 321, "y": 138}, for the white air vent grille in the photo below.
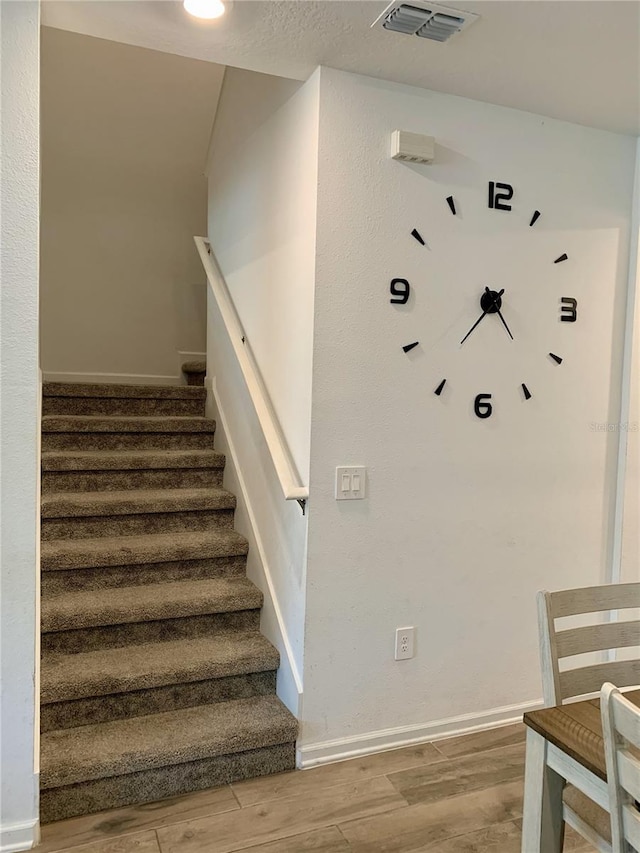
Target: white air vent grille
{"x": 425, "y": 20}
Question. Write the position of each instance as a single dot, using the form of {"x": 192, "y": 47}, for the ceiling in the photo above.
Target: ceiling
{"x": 577, "y": 60}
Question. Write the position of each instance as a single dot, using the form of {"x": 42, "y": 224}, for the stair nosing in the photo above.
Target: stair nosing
{"x": 114, "y": 460}
{"x": 53, "y": 424}
{"x": 120, "y": 502}
{"x": 91, "y": 390}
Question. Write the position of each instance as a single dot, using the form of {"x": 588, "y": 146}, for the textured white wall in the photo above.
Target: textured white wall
{"x": 124, "y": 141}
{"x": 262, "y": 197}
{"x": 631, "y": 519}
{"x": 262, "y": 207}
{"x": 19, "y": 390}
{"x": 465, "y": 518}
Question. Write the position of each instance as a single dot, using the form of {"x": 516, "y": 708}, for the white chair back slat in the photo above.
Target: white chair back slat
{"x": 591, "y": 599}
{"x": 623, "y": 767}
{"x": 631, "y": 826}
{"x": 589, "y": 679}
{"x": 593, "y": 638}
{"x": 629, "y": 773}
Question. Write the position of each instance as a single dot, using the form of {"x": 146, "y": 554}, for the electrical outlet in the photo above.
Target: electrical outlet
{"x": 405, "y": 638}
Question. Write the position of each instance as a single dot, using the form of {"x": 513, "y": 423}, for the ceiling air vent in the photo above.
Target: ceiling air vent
{"x": 426, "y": 20}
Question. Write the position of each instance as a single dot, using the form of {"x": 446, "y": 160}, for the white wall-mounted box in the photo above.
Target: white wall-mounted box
{"x": 412, "y": 147}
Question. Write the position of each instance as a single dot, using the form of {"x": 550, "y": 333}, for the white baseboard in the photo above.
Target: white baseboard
{"x": 112, "y": 378}
{"x": 325, "y": 752}
{"x": 289, "y": 686}
{"x": 19, "y": 836}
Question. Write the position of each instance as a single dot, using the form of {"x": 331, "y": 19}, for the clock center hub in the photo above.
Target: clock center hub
{"x": 491, "y": 301}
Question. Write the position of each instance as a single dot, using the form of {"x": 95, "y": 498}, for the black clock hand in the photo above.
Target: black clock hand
{"x": 498, "y": 312}
{"x": 505, "y": 325}
{"x": 481, "y": 317}
{"x": 487, "y": 310}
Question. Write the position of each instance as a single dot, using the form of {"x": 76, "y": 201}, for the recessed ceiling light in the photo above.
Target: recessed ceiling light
{"x": 204, "y": 8}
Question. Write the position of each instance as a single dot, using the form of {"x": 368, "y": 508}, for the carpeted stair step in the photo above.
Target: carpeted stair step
{"x": 138, "y": 550}
{"x": 100, "y": 470}
{"x": 76, "y": 640}
{"x": 58, "y": 582}
{"x": 123, "y": 605}
{"x": 155, "y": 700}
{"x": 100, "y": 432}
{"x": 95, "y": 767}
{"x": 110, "y": 514}
{"x": 71, "y": 398}
{"x": 195, "y": 372}
{"x": 105, "y": 671}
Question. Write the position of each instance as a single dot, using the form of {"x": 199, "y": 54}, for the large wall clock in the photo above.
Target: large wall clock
{"x": 492, "y": 305}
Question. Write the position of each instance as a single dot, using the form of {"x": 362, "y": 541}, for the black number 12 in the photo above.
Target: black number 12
{"x": 499, "y": 194}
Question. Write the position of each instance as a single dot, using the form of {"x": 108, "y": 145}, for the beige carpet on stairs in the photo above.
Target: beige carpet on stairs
{"x": 155, "y": 679}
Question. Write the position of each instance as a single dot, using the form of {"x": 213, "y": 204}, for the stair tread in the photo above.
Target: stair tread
{"x": 90, "y": 389}
{"x": 119, "y": 747}
{"x": 137, "y": 667}
{"x": 125, "y": 423}
{"x": 134, "y": 550}
{"x": 148, "y": 602}
{"x": 134, "y": 501}
{"x": 120, "y": 460}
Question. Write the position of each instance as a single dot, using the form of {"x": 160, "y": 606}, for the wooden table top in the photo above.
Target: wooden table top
{"x": 576, "y": 729}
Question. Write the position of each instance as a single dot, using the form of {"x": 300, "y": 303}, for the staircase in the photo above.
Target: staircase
{"x": 155, "y": 679}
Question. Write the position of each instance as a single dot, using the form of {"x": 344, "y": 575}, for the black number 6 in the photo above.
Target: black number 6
{"x": 400, "y": 288}
{"x": 482, "y": 407}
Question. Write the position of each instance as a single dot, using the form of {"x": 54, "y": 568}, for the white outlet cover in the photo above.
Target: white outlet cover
{"x": 405, "y": 643}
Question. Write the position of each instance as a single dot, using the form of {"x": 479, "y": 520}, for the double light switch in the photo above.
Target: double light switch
{"x": 350, "y": 483}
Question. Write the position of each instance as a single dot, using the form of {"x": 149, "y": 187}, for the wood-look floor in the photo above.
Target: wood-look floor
{"x": 462, "y": 795}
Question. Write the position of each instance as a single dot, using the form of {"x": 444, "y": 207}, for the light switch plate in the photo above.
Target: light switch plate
{"x": 351, "y": 483}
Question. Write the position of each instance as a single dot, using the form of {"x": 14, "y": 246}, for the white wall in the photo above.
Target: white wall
{"x": 124, "y": 140}
{"x": 19, "y": 389}
{"x": 262, "y": 196}
{"x": 262, "y": 208}
{"x": 630, "y": 554}
{"x": 465, "y": 518}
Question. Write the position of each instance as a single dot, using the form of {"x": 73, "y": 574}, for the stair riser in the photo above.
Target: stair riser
{"x": 127, "y": 441}
{"x": 120, "y": 406}
{"x": 55, "y": 583}
{"x": 96, "y": 527}
{"x": 160, "y": 783}
{"x": 110, "y": 481}
{"x": 158, "y": 631}
{"x": 119, "y": 706}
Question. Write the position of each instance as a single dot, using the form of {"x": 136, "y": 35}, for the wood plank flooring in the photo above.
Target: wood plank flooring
{"x": 462, "y": 795}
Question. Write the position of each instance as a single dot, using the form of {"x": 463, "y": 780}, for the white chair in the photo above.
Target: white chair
{"x": 621, "y": 729}
{"x": 571, "y": 681}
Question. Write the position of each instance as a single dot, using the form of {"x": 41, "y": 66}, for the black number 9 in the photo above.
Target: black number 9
{"x": 400, "y": 289}
{"x": 482, "y": 407}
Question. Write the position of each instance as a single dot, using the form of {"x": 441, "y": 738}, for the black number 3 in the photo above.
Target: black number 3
{"x": 482, "y": 407}
{"x": 568, "y": 309}
{"x": 499, "y": 194}
{"x": 400, "y": 289}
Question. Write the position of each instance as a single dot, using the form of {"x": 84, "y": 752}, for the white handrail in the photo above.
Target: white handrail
{"x": 290, "y": 482}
